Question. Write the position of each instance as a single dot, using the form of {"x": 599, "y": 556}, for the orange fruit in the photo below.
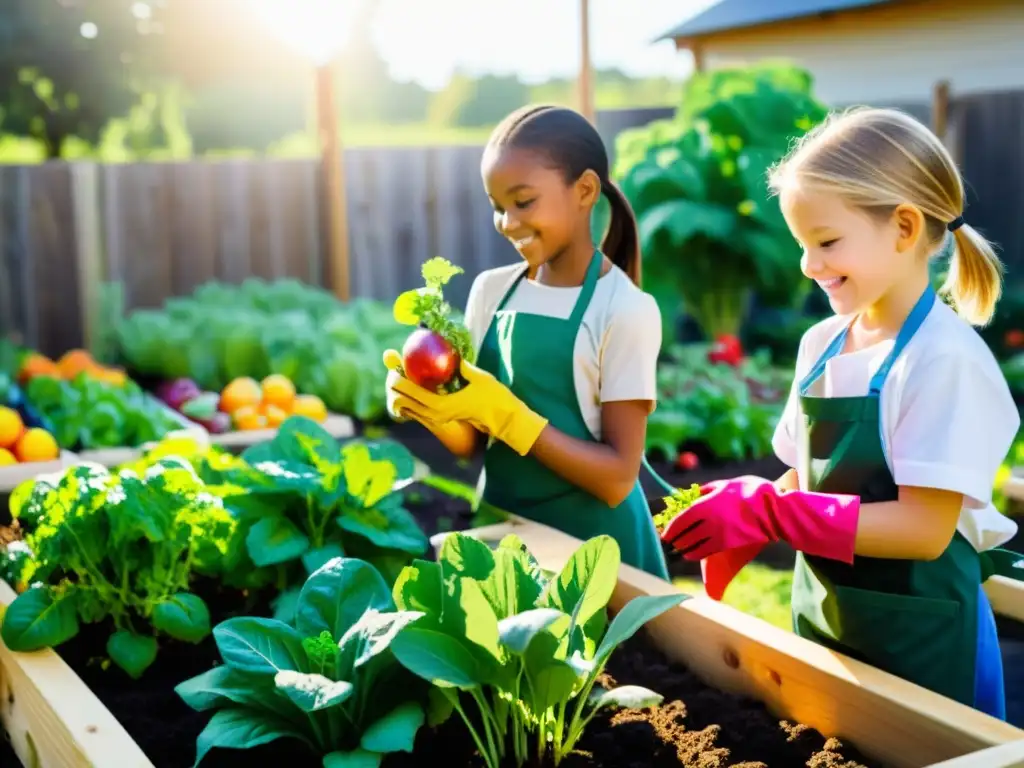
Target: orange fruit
{"x": 310, "y": 406}
{"x": 275, "y": 415}
{"x": 36, "y": 445}
{"x": 74, "y": 362}
{"x": 243, "y": 391}
{"x": 114, "y": 376}
{"x": 278, "y": 390}
{"x": 248, "y": 417}
{"x": 7, "y": 458}
{"x": 36, "y": 364}
{"x": 11, "y": 426}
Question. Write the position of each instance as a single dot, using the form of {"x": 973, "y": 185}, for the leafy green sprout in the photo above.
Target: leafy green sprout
{"x": 675, "y": 504}
{"x": 427, "y": 307}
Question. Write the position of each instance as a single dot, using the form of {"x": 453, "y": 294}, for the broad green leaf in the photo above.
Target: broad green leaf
{"x": 222, "y": 686}
{"x": 387, "y": 525}
{"x": 371, "y": 635}
{"x": 366, "y": 479}
{"x": 315, "y": 559}
{"x": 627, "y": 697}
{"x": 551, "y": 684}
{"x": 396, "y": 731}
{"x": 275, "y": 539}
{"x": 40, "y": 617}
{"x": 586, "y": 582}
{"x": 405, "y": 308}
{"x": 420, "y": 587}
{"x": 338, "y": 594}
{"x": 467, "y": 556}
{"x": 260, "y": 646}
{"x": 286, "y": 604}
{"x": 132, "y": 653}
{"x": 518, "y": 631}
{"x": 357, "y": 758}
{"x": 183, "y": 616}
{"x": 311, "y": 692}
{"x": 439, "y": 705}
{"x": 634, "y": 615}
{"x": 243, "y": 729}
{"x": 437, "y": 658}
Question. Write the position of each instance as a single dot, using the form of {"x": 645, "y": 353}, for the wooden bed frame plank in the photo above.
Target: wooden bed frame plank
{"x": 53, "y": 719}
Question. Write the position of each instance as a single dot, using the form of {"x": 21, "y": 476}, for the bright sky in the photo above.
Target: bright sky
{"x": 427, "y": 40}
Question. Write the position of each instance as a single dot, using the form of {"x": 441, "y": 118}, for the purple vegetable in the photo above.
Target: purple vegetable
{"x": 178, "y": 392}
{"x": 217, "y": 424}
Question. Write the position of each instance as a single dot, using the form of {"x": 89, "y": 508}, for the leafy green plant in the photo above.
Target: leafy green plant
{"x": 87, "y": 413}
{"x": 303, "y": 498}
{"x": 523, "y": 645}
{"x": 121, "y": 547}
{"x": 427, "y": 307}
{"x": 733, "y": 411}
{"x": 710, "y": 232}
{"x": 330, "y": 682}
{"x": 328, "y": 348}
{"x": 676, "y": 503}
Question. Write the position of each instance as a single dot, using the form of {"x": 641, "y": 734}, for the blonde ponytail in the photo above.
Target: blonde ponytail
{"x": 974, "y": 282}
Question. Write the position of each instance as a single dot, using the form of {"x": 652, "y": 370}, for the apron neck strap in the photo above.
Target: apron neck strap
{"x": 909, "y": 328}
{"x": 586, "y": 292}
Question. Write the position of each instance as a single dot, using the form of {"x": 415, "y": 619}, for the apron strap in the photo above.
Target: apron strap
{"x": 910, "y": 327}
{"x": 1001, "y": 562}
{"x": 833, "y": 349}
{"x": 587, "y": 291}
{"x": 511, "y": 289}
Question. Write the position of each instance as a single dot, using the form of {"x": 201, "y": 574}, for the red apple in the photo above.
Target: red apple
{"x": 429, "y": 360}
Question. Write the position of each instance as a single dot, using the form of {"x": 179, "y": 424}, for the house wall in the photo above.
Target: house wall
{"x": 892, "y": 54}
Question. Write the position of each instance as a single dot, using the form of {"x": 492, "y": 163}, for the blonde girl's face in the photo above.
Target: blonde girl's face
{"x": 852, "y": 256}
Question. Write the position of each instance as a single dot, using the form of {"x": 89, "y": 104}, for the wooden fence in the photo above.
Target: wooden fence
{"x": 161, "y": 229}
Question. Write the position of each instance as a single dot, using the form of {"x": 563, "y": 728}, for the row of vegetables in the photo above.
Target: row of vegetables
{"x": 370, "y": 639}
{"x": 246, "y": 357}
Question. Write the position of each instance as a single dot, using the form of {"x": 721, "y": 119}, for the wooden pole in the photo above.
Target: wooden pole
{"x": 333, "y": 204}
{"x": 586, "y": 78}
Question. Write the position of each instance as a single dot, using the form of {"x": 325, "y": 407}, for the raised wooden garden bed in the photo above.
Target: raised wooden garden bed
{"x": 55, "y": 721}
{"x": 14, "y": 475}
{"x": 339, "y": 427}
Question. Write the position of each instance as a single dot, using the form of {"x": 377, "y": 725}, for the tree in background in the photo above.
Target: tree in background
{"x": 67, "y": 68}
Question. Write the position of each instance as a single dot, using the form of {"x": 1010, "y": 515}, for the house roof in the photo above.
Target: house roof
{"x": 734, "y": 14}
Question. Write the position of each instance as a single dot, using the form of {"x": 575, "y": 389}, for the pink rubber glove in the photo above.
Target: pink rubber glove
{"x": 718, "y": 570}
{"x": 740, "y": 513}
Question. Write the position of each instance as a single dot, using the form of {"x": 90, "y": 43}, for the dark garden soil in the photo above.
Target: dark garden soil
{"x": 695, "y": 726}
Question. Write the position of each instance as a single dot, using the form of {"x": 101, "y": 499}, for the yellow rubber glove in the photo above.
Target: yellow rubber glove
{"x": 484, "y": 402}
{"x": 459, "y": 437}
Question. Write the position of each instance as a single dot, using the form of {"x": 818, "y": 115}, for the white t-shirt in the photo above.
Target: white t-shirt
{"x": 616, "y": 352}
{"x": 948, "y": 419}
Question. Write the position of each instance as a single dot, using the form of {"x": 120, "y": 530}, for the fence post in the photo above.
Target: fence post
{"x": 88, "y": 240}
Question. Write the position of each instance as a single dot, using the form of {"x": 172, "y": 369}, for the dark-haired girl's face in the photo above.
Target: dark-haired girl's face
{"x": 540, "y": 213}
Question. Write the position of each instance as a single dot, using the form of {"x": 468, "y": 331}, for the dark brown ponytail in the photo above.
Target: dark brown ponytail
{"x": 573, "y": 145}
{"x": 622, "y": 241}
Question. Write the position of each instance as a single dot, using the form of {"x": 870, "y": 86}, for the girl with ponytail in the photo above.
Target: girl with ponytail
{"x": 567, "y": 344}
{"x": 897, "y": 423}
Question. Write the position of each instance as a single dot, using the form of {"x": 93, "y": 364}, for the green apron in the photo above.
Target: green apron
{"x": 533, "y": 356}
{"x": 925, "y": 621}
